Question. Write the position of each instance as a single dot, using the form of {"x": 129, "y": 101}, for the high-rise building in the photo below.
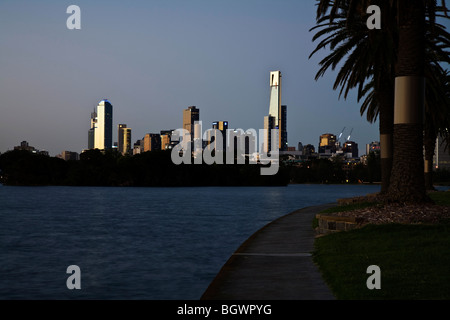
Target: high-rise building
{"x": 269, "y": 124}
{"x": 103, "y": 125}
{"x": 275, "y": 95}
{"x": 374, "y": 146}
{"x": 124, "y": 139}
{"x": 308, "y": 150}
{"x": 138, "y": 146}
{"x": 300, "y": 146}
{"x": 327, "y": 143}
{"x": 152, "y": 142}
{"x": 277, "y": 111}
{"x": 350, "y": 148}
{"x": 120, "y": 129}
{"x": 91, "y": 133}
{"x": 441, "y": 159}
{"x": 283, "y": 128}
{"x": 222, "y": 126}
{"x": 166, "y": 139}
{"x": 190, "y": 116}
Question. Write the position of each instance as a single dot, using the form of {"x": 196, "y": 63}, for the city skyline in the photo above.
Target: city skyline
{"x": 154, "y": 59}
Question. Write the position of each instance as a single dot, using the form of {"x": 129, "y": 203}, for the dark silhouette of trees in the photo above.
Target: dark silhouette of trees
{"x": 110, "y": 168}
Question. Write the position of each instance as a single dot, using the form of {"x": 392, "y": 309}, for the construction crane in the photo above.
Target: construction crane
{"x": 348, "y": 138}
{"x": 340, "y": 135}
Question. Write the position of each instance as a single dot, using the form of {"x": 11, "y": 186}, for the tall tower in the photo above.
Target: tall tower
{"x": 120, "y": 130}
{"x": 222, "y": 126}
{"x": 190, "y": 116}
{"x": 124, "y": 139}
{"x": 91, "y": 133}
{"x": 103, "y": 128}
{"x": 275, "y": 96}
{"x": 269, "y": 124}
{"x": 283, "y": 128}
{"x": 276, "y": 110}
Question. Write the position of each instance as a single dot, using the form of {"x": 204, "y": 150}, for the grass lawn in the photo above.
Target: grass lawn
{"x": 414, "y": 260}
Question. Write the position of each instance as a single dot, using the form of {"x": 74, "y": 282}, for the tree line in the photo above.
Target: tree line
{"x": 110, "y": 168}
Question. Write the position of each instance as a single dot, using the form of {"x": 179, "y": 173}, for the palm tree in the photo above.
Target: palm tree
{"x": 408, "y": 69}
{"x": 407, "y": 179}
{"x": 437, "y": 116}
{"x": 371, "y": 58}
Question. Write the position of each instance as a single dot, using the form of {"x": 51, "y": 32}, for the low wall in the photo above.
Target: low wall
{"x": 330, "y": 224}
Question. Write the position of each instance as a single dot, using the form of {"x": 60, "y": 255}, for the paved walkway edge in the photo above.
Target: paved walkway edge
{"x": 274, "y": 263}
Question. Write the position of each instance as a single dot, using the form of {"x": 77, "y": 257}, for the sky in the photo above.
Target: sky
{"x": 152, "y": 59}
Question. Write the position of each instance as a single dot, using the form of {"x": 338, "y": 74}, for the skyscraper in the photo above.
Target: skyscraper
{"x": 275, "y": 96}
{"x": 276, "y": 110}
{"x": 120, "y": 129}
{"x": 166, "y": 137}
{"x": 190, "y": 116}
{"x": 152, "y": 142}
{"x": 222, "y": 126}
{"x": 350, "y": 148}
{"x": 283, "y": 128}
{"x": 91, "y": 133}
{"x": 269, "y": 124}
{"x": 103, "y": 126}
{"x": 441, "y": 159}
{"x": 327, "y": 143}
{"x": 124, "y": 139}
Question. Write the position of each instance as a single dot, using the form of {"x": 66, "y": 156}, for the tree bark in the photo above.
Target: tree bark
{"x": 407, "y": 179}
{"x": 430, "y": 146}
{"x": 386, "y": 125}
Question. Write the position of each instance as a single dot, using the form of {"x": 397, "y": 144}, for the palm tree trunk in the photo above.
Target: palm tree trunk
{"x": 386, "y": 100}
{"x": 430, "y": 145}
{"x": 407, "y": 179}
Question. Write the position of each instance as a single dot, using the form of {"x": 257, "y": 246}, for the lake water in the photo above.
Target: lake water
{"x": 135, "y": 243}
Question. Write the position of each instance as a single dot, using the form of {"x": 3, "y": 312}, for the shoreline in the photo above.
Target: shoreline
{"x": 274, "y": 263}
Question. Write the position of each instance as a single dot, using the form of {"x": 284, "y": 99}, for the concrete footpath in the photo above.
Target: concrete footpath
{"x": 275, "y": 263}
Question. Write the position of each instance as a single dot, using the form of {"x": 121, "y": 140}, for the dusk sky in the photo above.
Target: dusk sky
{"x": 152, "y": 59}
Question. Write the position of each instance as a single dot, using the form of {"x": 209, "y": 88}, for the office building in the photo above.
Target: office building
{"x": 278, "y": 111}
{"x": 327, "y": 143}
{"x": 138, "y": 146}
{"x": 166, "y": 139}
{"x": 190, "y": 116}
{"x": 275, "y": 95}
{"x": 124, "y": 139}
{"x": 308, "y": 150}
{"x": 24, "y": 145}
{"x": 222, "y": 127}
{"x": 70, "y": 155}
{"x": 269, "y": 124}
{"x": 283, "y": 128}
{"x": 441, "y": 159}
{"x": 374, "y": 146}
{"x": 350, "y": 149}
{"x": 152, "y": 142}
{"x": 102, "y": 126}
{"x": 120, "y": 129}
{"x": 91, "y": 133}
